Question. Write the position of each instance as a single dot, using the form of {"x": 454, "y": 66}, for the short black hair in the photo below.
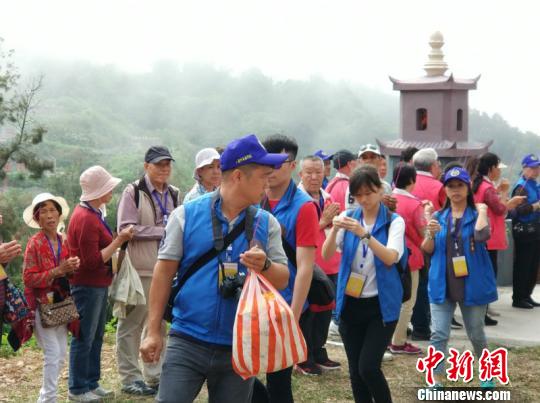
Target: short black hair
{"x": 276, "y": 143}
{"x": 450, "y": 165}
{"x": 365, "y": 175}
{"x": 342, "y": 158}
{"x": 407, "y": 154}
{"x": 404, "y": 174}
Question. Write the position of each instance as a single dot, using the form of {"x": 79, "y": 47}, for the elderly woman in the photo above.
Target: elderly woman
{"x": 45, "y": 269}
{"x": 207, "y": 173}
{"x": 90, "y": 238}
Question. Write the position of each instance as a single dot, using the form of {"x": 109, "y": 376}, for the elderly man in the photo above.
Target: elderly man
{"x": 316, "y": 330}
{"x": 199, "y": 345}
{"x": 146, "y": 204}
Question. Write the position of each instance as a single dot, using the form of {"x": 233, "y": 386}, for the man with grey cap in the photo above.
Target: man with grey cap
{"x": 207, "y": 173}
{"x": 146, "y": 204}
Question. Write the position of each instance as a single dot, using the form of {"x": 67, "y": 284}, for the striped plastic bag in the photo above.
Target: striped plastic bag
{"x": 266, "y": 337}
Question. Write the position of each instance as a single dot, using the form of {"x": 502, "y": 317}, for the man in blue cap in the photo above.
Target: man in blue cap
{"x": 199, "y": 345}
{"x": 327, "y": 159}
{"x": 526, "y": 232}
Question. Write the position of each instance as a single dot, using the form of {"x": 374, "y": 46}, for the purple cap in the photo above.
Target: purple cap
{"x": 322, "y": 155}
{"x": 249, "y": 150}
{"x": 458, "y": 173}
{"x": 530, "y": 161}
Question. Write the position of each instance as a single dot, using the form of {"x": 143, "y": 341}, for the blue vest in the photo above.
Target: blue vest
{"x": 199, "y": 310}
{"x": 533, "y": 195}
{"x": 388, "y": 281}
{"x": 286, "y": 212}
{"x": 480, "y": 287}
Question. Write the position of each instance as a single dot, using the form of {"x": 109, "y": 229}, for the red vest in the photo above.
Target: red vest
{"x": 498, "y": 240}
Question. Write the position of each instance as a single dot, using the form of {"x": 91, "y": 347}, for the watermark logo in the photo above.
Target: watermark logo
{"x": 491, "y": 365}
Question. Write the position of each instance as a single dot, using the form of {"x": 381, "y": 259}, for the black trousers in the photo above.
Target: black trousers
{"x": 421, "y": 317}
{"x": 493, "y": 256}
{"x": 526, "y": 260}
{"x": 366, "y": 338}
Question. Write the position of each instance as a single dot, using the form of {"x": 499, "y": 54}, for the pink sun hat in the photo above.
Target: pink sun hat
{"x": 96, "y": 182}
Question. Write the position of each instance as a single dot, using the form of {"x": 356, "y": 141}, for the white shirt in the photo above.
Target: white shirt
{"x": 366, "y": 266}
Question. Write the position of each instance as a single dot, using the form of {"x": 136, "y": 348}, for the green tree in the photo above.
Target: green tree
{"x": 19, "y": 133}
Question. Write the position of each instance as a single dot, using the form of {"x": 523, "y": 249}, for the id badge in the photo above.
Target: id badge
{"x": 230, "y": 269}
{"x": 460, "y": 266}
{"x": 355, "y": 285}
{"x": 3, "y": 274}
{"x": 165, "y": 219}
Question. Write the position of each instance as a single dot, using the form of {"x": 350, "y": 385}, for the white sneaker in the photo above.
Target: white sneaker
{"x": 101, "y": 392}
{"x": 387, "y": 356}
{"x": 84, "y": 397}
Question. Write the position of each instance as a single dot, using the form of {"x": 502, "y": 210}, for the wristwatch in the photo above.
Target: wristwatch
{"x": 366, "y": 237}
{"x": 267, "y": 264}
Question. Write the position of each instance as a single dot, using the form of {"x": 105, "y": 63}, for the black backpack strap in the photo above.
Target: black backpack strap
{"x": 174, "y": 195}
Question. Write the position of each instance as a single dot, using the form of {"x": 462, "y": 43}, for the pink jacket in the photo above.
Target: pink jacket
{"x": 498, "y": 240}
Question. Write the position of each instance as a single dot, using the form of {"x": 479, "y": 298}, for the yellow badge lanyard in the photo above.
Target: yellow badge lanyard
{"x": 356, "y": 282}
{"x": 458, "y": 260}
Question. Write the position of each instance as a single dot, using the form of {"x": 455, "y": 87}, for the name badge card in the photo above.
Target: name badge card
{"x": 355, "y": 285}
{"x": 460, "y": 266}
{"x": 230, "y": 269}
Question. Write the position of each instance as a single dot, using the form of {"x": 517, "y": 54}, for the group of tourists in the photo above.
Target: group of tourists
{"x": 179, "y": 255}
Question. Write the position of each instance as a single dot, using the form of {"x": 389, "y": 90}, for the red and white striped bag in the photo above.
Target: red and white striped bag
{"x": 266, "y": 337}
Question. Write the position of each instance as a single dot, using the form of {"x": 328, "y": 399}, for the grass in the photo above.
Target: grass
{"x": 20, "y": 378}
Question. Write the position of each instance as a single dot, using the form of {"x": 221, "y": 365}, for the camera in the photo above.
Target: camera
{"x": 231, "y": 287}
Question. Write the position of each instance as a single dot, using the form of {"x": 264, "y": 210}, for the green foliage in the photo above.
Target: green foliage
{"x": 20, "y": 130}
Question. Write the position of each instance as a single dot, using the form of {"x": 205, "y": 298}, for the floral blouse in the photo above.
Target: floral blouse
{"x": 39, "y": 260}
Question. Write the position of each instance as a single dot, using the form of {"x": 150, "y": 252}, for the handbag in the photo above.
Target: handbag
{"x": 58, "y": 313}
{"x": 321, "y": 291}
{"x": 15, "y": 305}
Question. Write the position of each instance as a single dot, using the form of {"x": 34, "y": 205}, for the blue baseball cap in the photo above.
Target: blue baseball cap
{"x": 530, "y": 161}
{"x": 249, "y": 150}
{"x": 322, "y": 155}
{"x": 458, "y": 173}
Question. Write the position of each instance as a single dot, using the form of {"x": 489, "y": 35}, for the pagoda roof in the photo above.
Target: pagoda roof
{"x": 444, "y": 148}
{"x": 427, "y": 83}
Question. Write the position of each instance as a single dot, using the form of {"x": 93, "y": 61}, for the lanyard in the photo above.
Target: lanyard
{"x": 456, "y": 232}
{"x": 365, "y": 247}
{"x": 164, "y": 211}
{"x": 100, "y": 216}
{"x": 321, "y": 202}
{"x": 59, "y": 251}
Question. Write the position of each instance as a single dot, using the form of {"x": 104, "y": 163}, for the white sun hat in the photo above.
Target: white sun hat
{"x": 28, "y": 214}
{"x": 96, "y": 182}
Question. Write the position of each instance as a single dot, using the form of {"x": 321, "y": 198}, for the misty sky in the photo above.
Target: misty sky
{"x": 358, "y": 41}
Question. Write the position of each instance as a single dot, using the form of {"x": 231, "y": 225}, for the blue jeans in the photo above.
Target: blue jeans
{"x": 188, "y": 364}
{"x": 85, "y": 352}
{"x": 473, "y": 319}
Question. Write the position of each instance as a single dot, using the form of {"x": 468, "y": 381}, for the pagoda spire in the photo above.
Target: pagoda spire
{"x": 436, "y": 66}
